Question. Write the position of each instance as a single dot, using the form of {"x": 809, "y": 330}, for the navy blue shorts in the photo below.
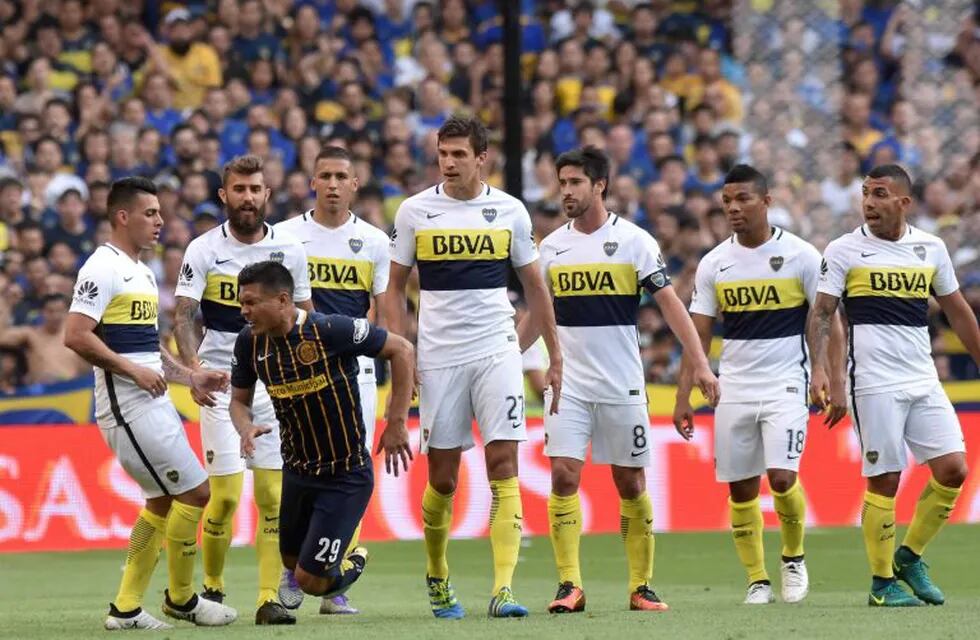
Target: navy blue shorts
{"x": 318, "y": 516}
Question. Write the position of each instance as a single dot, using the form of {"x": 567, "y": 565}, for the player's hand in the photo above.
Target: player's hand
{"x": 837, "y": 406}
{"x": 149, "y": 380}
{"x": 205, "y": 382}
{"x": 552, "y": 380}
{"x": 707, "y": 382}
{"x": 248, "y": 439}
{"x": 684, "y": 418}
{"x": 394, "y": 442}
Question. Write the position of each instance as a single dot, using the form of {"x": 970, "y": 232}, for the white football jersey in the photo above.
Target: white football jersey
{"x": 763, "y": 295}
{"x": 885, "y": 287}
{"x": 463, "y": 249}
{"x": 121, "y": 295}
{"x": 210, "y": 275}
{"x": 595, "y": 280}
{"x": 346, "y": 266}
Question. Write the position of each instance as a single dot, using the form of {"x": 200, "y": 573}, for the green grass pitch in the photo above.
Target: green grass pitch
{"x": 65, "y": 596}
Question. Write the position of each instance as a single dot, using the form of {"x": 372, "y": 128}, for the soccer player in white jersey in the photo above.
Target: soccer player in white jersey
{"x": 209, "y": 281}
{"x": 884, "y": 272}
{"x": 113, "y": 325}
{"x": 464, "y": 235}
{"x": 348, "y": 263}
{"x": 761, "y": 282}
{"x": 597, "y": 265}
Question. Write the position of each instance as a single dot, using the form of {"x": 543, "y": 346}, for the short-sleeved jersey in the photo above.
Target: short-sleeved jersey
{"x": 346, "y": 265}
{"x": 595, "y": 282}
{"x": 311, "y": 376}
{"x": 463, "y": 249}
{"x": 763, "y": 295}
{"x": 885, "y": 287}
{"x": 121, "y": 295}
{"x": 210, "y": 275}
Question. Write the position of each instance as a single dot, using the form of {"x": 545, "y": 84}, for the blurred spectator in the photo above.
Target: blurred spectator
{"x": 48, "y": 359}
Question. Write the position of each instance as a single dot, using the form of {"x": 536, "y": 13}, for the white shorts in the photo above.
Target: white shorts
{"x": 922, "y": 418}
{"x": 490, "y": 389}
{"x": 751, "y": 437}
{"x": 220, "y": 441}
{"x": 369, "y": 411}
{"x": 154, "y": 451}
{"x": 619, "y": 433}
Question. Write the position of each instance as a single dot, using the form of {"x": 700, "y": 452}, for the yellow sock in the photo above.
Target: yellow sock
{"x": 225, "y": 493}
{"x": 354, "y": 539}
{"x": 182, "y": 549}
{"x": 747, "y": 533}
{"x": 144, "y": 550}
{"x": 878, "y": 526}
{"x": 931, "y": 513}
{"x": 268, "y": 493}
{"x": 791, "y": 509}
{"x": 437, "y": 516}
{"x": 565, "y": 526}
{"x": 506, "y": 522}
{"x": 636, "y": 528}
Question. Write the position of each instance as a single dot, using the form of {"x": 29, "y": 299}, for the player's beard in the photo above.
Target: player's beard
{"x": 580, "y": 209}
{"x": 237, "y": 219}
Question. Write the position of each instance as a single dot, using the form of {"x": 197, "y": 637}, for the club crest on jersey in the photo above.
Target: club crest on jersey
{"x": 489, "y": 214}
{"x": 658, "y": 279}
{"x": 776, "y": 262}
{"x": 173, "y": 476}
{"x": 920, "y": 251}
{"x": 306, "y": 353}
{"x": 610, "y": 247}
{"x": 277, "y": 256}
{"x": 356, "y": 244}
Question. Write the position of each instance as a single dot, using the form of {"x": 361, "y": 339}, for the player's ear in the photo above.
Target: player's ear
{"x": 767, "y": 199}
{"x": 223, "y": 195}
{"x": 268, "y": 194}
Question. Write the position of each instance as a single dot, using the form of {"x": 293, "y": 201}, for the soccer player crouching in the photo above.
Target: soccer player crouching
{"x": 885, "y": 271}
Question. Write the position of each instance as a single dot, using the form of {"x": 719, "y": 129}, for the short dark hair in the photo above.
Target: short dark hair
{"x": 9, "y": 181}
{"x": 461, "y": 127}
{"x": 51, "y": 297}
{"x": 593, "y": 162}
{"x": 746, "y": 173}
{"x": 269, "y": 274}
{"x": 242, "y": 165}
{"x": 122, "y": 192}
{"x": 663, "y": 162}
{"x": 333, "y": 152}
{"x": 895, "y": 172}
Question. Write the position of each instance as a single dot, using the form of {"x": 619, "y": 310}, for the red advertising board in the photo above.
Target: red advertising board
{"x": 61, "y": 488}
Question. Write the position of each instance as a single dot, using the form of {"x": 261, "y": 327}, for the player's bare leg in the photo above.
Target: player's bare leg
{"x": 565, "y": 528}
{"x": 790, "y": 503}
{"x": 506, "y": 523}
{"x": 636, "y": 516}
{"x": 437, "y": 515}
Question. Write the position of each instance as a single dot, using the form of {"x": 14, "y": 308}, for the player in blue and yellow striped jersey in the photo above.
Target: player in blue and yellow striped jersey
{"x": 884, "y": 272}
{"x": 308, "y": 363}
{"x": 597, "y": 265}
{"x": 761, "y": 282}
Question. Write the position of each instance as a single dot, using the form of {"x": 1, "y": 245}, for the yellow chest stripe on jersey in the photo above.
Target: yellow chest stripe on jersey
{"x": 132, "y": 308}
{"x": 297, "y": 387}
{"x": 760, "y": 295}
{"x": 597, "y": 279}
{"x": 462, "y": 244}
{"x": 222, "y": 289}
{"x": 890, "y": 282}
{"x": 335, "y": 273}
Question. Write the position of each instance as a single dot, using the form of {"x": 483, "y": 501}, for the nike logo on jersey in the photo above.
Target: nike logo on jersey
{"x": 725, "y": 268}
{"x": 127, "y": 279}
{"x": 430, "y": 216}
{"x": 868, "y": 255}
{"x": 307, "y": 241}
{"x": 223, "y": 261}
{"x": 262, "y": 357}
{"x": 558, "y": 253}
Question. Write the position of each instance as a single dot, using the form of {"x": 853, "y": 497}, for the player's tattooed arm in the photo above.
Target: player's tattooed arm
{"x": 962, "y": 320}
{"x": 203, "y": 382}
{"x": 819, "y": 327}
{"x": 185, "y": 330}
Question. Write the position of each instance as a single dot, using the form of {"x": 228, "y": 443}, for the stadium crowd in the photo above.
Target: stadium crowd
{"x": 676, "y": 92}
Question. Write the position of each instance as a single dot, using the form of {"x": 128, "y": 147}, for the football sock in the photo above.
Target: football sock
{"x": 506, "y": 523}
{"x": 747, "y": 533}
{"x": 636, "y": 528}
{"x": 182, "y": 549}
{"x": 791, "y": 509}
{"x": 145, "y": 541}
{"x": 931, "y": 513}
{"x": 565, "y": 528}
{"x": 225, "y": 493}
{"x": 354, "y": 539}
{"x": 268, "y": 492}
{"x": 878, "y": 527}
{"x": 437, "y": 516}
